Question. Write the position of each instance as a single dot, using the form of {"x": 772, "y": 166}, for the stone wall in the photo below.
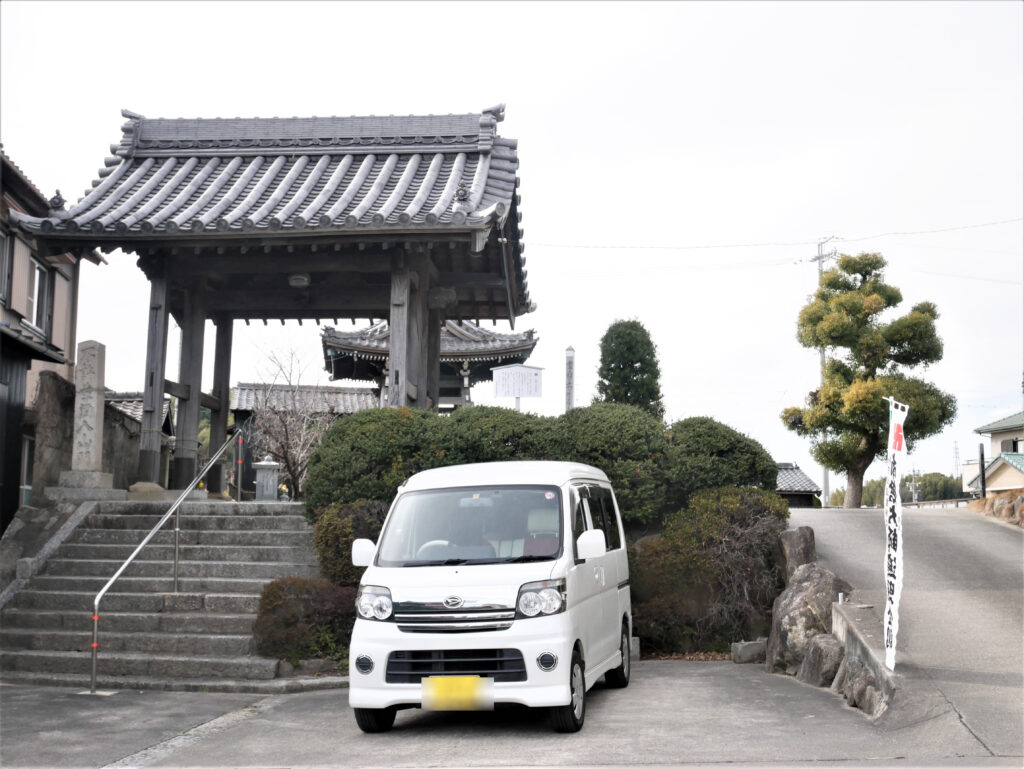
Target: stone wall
{"x": 54, "y": 421}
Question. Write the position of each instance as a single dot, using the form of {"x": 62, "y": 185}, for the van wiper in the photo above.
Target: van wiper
{"x": 527, "y": 558}
{"x": 444, "y": 562}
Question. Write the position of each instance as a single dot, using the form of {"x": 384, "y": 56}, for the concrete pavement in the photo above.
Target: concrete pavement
{"x": 673, "y": 713}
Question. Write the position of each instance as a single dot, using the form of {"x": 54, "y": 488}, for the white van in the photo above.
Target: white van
{"x": 505, "y": 582}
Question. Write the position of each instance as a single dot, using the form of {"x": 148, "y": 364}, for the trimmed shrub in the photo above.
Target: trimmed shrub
{"x": 628, "y": 444}
{"x": 703, "y": 453}
{"x": 335, "y": 528}
{"x": 301, "y": 618}
{"x": 367, "y": 456}
{"x": 493, "y": 434}
{"x": 711, "y": 577}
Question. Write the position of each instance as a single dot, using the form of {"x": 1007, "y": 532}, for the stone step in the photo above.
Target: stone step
{"x": 131, "y": 622}
{"x": 204, "y": 537}
{"x": 139, "y": 664}
{"x": 78, "y": 600}
{"x": 155, "y": 552}
{"x": 150, "y": 584}
{"x": 107, "y": 683}
{"x": 197, "y": 644}
{"x": 259, "y": 570}
{"x": 248, "y": 509}
{"x": 198, "y": 522}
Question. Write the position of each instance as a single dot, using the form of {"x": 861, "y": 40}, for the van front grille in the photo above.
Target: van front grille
{"x": 502, "y": 665}
{"x": 465, "y": 621}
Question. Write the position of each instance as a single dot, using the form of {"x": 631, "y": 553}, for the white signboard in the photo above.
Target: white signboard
{"x": 893, "y": 529}
{"x": 517, "y": 381}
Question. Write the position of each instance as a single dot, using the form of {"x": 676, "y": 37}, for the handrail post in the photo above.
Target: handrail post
{"x": 95, "y": 644}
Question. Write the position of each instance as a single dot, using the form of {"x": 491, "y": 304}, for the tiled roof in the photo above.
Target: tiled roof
{"x": 1015, "y": 460}
{"x": 326, "y": 174}
{"x": 130, "y": 404}
{"x": 459, "y": 342}
{"x": 247, "y": 396}
{"x": 791, "y": 478}
{"x": 1006, "y": 423}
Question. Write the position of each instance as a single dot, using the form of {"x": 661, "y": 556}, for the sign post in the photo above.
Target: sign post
{"x": 517, "y": 381}
{"x": 893, "y": 529}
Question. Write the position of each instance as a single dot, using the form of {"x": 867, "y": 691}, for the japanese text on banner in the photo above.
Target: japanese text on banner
{"x": 893, "y": 529}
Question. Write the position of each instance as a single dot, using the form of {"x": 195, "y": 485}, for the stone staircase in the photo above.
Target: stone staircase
{"x": 199, "y": 639}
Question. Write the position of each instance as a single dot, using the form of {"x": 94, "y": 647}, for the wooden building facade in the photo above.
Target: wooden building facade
{"x": 413, "y": 219}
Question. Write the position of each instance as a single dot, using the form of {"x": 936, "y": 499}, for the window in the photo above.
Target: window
{"x": 5, "y": 267}
{"x": 602, "y": 513}
{"x": 37, "y": 292}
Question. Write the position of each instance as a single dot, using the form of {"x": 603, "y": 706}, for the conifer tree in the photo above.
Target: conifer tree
{"x": 867, "y": 357}
{"x": 629, "y": 371}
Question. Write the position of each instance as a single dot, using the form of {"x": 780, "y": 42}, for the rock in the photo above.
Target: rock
{"x": 822, "y": 660}
{"x": 802, "y": 611}
{"x": 1000, "y": 508}
{"x": 1018, "y": 509}
{"x": 744, "y": 652}
{"x": 797, "y": 548}
{"x": 858, "y": 687}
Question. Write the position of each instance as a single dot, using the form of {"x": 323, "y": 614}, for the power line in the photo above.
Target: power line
{"x": 785, "y": 244}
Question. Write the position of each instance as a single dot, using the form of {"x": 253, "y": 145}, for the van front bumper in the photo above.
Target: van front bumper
{"x": 531, "y": 637}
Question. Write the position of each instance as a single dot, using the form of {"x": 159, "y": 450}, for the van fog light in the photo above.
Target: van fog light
{"x": 547, "y": 661}
{"x": 364, "y": 664}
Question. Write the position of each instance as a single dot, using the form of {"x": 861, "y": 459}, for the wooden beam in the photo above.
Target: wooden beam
{"x": 150, "y": 443}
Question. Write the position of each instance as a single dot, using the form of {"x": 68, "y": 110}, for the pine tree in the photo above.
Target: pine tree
{"x": 847, "y": 419}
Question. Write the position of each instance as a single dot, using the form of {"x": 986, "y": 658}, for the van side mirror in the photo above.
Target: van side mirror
{"x": 590, "y": 544}
{"x": 363, "y": 551}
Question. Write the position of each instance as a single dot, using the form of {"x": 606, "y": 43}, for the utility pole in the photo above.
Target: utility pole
{"x": 820, "y": 259}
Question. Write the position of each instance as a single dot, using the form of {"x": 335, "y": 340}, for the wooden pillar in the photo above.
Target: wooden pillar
{"x": 153, "y": 391}
{"x": 433, "y": 362}
{"x": 190, "y": 375}
{"x": 215, "y": 479}
{"x": 398, "y": 323}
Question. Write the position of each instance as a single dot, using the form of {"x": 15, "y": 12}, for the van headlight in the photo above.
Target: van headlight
{"x": 541, "y": 598}
{"x": 373, "y": 602}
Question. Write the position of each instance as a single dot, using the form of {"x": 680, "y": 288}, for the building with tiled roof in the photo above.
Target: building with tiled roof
{"x": 468, "y": 353}
{"x": 246, "y": 397}
{"x": 414, "y": 219}
{"x": 130, "y": 404}
{"x": 1004, "y": 473}
{"x": 1006, "y": 434}
{"x": 793, "y": 485}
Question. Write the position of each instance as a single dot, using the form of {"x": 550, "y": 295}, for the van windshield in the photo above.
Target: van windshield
{"x": 492, "y": 524}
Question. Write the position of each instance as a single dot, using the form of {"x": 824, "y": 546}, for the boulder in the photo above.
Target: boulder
{"x": 797, "y": 548}
{"x": 858, "y": 686}
{"x": 1018, "y": 509}
{"x": 822, "y": 660}
{"x": 802, "y": 611}
{"x": 744, "y": 652}
{"x": 1001, "y": 507}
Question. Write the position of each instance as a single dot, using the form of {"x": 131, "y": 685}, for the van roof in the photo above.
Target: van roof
{"x": 499, "y": 473}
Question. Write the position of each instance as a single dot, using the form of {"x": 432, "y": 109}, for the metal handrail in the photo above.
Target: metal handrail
{"x": 174, "y": 509}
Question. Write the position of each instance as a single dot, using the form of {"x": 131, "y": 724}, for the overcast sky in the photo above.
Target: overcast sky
{"x": 679, "y": 163}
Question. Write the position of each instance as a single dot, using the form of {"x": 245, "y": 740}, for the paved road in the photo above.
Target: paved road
{"x": 961, "y": 613}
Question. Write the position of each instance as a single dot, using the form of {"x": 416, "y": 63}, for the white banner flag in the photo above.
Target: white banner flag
{"x": 893, "y": 529}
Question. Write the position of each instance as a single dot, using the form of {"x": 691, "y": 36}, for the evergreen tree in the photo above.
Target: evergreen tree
{"x": 629, "y": 371}
{"x": 847, "y": 419}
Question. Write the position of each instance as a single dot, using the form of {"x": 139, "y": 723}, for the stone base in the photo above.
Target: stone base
{"x": 86, "y": 479}
{"x": 145, "y": 491}
{"x": 73, "y": 494}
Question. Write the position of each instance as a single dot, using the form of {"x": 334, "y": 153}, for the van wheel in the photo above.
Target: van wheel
{"x": 569, "y": 718}
{"x": 372, "y": 720}
{"x": 619, "y": 678}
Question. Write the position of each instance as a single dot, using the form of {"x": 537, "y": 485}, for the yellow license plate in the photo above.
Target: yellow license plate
{"x": 457, "y": 693}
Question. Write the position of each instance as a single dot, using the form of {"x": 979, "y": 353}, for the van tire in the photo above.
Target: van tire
{"x": 569, "y": 718}
{"x": 372, "y": 720}
{"x": 619, "y": 677}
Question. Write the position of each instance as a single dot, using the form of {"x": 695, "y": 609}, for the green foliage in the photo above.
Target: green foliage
{"x": 629, "y": 371}
{"x": 628, "y": 444}
{"x": 712, "y": 575}
{"x": 302, "y": 618}
{"x": 335, "y": 528}
{"x": 368, "y": 454}
{"x": 846, "y": 418}
{"x": 703, "y": 453}
{"x": 934, "y": 487}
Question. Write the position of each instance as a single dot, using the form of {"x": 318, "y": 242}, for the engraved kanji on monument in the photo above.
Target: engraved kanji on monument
{"x": 87, "y": 442}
